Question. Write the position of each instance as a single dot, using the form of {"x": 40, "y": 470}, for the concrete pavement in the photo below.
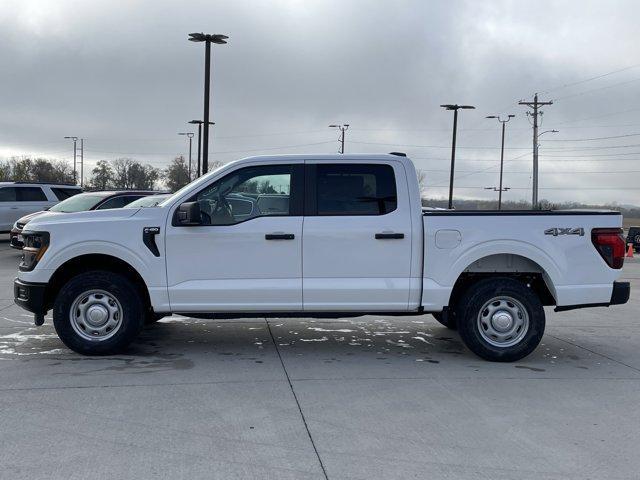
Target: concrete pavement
{"x": 362, "y": 398}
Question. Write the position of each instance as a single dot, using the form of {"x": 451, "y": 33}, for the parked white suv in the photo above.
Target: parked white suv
{"x": 18, "y": 199}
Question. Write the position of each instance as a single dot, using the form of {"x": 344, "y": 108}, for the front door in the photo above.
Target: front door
{"x": 247, "y": 254}
{"x": 357, "y": 237}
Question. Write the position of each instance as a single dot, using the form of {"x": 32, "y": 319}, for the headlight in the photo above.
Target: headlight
{"x": 35, "y": 244}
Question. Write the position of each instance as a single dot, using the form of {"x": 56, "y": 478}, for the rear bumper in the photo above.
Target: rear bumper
{"x": 619, "y": 295}
{"x": 29, "y": 296}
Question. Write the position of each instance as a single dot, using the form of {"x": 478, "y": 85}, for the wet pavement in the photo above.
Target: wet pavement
{"x": 362, "y": 398}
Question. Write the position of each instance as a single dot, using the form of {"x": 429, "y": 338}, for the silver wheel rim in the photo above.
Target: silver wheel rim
{"x": 96, "y": 315}
{"x": 503, "y": 322}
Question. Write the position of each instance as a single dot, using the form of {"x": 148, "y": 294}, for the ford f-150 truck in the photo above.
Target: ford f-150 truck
{"x": 317, "y": 236}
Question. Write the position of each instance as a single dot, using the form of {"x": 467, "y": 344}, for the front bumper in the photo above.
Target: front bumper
{"x": 15, "y": 239}
{"x": 619, "y": 295}
{"x": 30, "y": 296}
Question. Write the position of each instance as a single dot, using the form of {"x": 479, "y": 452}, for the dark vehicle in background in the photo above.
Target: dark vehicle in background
{"x": 149, "y": 202}
{"x": 633, "y": 237}
{"x": 80, "y": 203}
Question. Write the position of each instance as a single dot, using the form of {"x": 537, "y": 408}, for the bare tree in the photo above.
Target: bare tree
{"x": 422, "y": 181}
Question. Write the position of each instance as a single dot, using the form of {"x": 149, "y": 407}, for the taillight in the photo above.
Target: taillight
{"x": 610, "y": 245}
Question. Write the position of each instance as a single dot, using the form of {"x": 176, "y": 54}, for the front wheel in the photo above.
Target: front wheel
{"x": 501, "y": 319}
{"x": 98, "y": 313}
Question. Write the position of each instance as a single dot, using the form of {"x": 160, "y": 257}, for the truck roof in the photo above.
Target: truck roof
{"x": 331, "y": 156}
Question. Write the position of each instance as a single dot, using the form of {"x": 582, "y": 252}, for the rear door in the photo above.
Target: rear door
{"x": 9, "y": 210}
{"x": 30, "y": 199}
{"x": 356, "y": 237}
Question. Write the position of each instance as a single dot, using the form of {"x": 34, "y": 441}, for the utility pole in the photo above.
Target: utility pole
{"x": 343, "y": 128}
{"x": 500, "y": 189}
{"x": 535, "y": 105}
{"x": 81, "y": 162}
{"x": 199, "y": 123}
{"x": 75, "y": 171}
{"x": 455, "y": 109}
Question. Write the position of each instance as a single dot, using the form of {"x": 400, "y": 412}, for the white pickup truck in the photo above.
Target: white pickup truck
{"x": 317, "y": 236}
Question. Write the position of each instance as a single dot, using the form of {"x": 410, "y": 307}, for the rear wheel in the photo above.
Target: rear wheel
{"x": 501, "y": 319}
{"x": 98, "y": 313}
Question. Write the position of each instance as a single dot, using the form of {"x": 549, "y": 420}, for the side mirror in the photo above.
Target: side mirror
{"x": 189, "y": 214}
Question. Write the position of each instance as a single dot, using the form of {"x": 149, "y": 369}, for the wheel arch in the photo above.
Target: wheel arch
{"x": 94, "y": 261}
{"x": 510, "y": 265}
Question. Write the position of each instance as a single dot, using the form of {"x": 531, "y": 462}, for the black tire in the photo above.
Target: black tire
{"x": 130, "y": 320}
{"x": 447, "y": 319}
{"x": 475, "y": 300}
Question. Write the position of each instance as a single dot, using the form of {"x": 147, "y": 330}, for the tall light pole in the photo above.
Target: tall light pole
{"x": 199, "y": 123}
{"x": 537, "y": 148}
{"x": 208, "y": 40}
{"x": 75, "y": 141}
{"x": 343, "y": 128}
{"x": 500, "y": 189}
{"x": 455, "y": 108}
{"x": 190, "y": 136}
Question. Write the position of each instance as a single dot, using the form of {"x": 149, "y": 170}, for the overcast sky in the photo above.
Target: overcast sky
{"x": 122, "y": 75}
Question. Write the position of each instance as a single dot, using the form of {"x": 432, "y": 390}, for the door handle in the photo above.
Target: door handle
{"x": 389, "y": 236}
{"x": 279, "y": 236}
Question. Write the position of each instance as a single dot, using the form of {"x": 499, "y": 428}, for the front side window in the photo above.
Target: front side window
{"x": 245, "y": 194}
{"x": 31, "y": 194}
{"x": 355, "y": 189}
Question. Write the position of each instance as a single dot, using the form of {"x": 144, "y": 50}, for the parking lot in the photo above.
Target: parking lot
{"x": 362, "y": 398}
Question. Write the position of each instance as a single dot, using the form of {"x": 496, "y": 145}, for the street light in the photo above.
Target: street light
{"x": 75, "y": 141}
{"x": 208, "y": 40}
{"x": 343, "y": 128}
{"x": 199, "y": 123}
{"x": 455, "y": 109}
{"x": 190, "y": 135}
{"x": 500, "y": 189}
{"x": 535, "y": 168}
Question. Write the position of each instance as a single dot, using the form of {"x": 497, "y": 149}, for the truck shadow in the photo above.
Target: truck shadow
{"x": 180, "y": 343}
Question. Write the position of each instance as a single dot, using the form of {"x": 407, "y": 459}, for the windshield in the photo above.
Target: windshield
{"x": 78, "y": 203}
{"x": 201, "y": 180}
{"x": 146, "y": 202}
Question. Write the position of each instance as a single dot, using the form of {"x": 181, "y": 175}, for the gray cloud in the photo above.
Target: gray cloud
{"x": 123, "y": 76}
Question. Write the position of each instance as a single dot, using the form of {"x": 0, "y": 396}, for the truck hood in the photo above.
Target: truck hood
{"x": 45, "y": 219}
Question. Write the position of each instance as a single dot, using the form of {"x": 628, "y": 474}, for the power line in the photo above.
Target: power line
{"x": 579, "y": 82}
{"x": 593, "y": 138}
{"x": 597, "y": 89}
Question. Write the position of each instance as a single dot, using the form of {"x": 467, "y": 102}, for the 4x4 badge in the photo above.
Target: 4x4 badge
{"x": 564, "y": 231}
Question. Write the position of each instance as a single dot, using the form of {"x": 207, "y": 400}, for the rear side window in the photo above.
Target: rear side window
{"x": 119, "y": 202}
{"x": 64, "y": 193}
{"x": 7, "y": 194}
{"x": 355, "y": 189}
{"x": 31, "y": 194}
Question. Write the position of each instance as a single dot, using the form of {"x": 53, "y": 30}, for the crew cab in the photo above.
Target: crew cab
{"x": 317, "y": 236}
